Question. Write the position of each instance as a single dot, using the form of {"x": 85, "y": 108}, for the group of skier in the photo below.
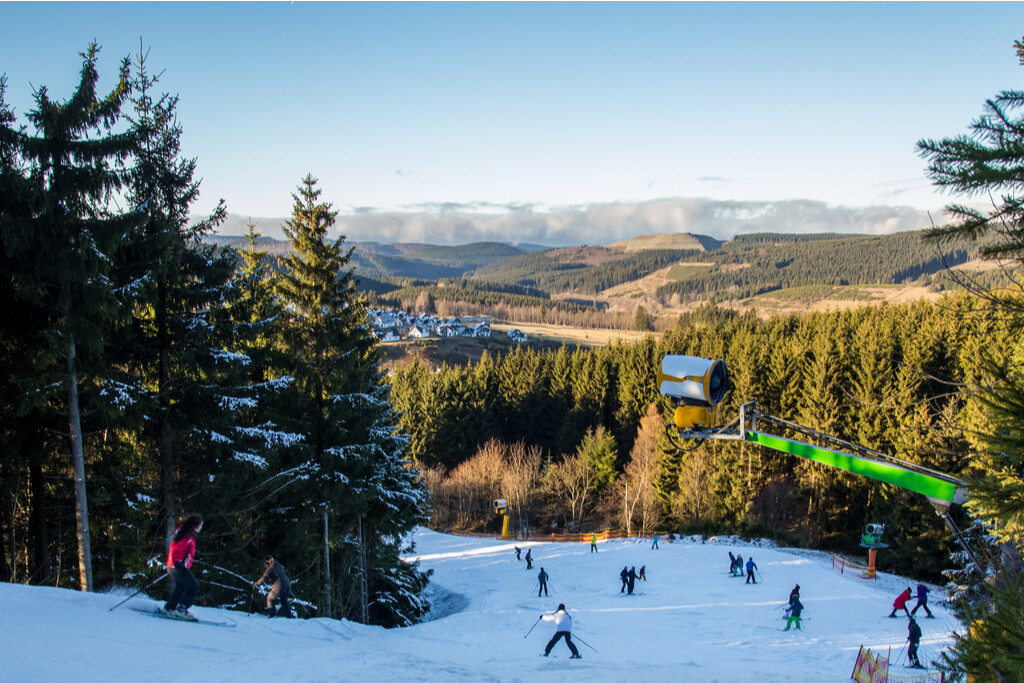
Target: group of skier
{"x": 913, "y": 628}
{"x": 185, "y": 587}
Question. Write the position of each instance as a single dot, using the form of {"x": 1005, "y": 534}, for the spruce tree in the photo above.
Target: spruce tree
{"x": 358, "y": 493}
{"x": 990, "y": 162}
{"x": 75, "y": 159}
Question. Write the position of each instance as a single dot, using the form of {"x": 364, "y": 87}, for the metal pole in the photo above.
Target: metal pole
{"x": 162, "y": 576}
{"x": 534, "y": 626}
{"x": 586, "y": 643}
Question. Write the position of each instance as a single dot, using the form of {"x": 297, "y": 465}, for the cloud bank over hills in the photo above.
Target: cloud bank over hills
{"x": 603, "y": 224}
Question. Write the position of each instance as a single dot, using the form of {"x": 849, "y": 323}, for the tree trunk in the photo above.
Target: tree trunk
{"x": 78, "y": 464}
{"x": 363, "y": 593}
{"x": 164, "y": 436}
{"x": 40, "y": 570}
{"x": 328, "y": 586}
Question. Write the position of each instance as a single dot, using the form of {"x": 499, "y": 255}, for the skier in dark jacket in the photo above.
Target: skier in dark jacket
{"x": 280, "y": 587}
{"x": 632, "y": 580}
{"x": 739, "y": 565}
{"x": 901, "y": 603}
{"x": 793, "y": 613}
{"x": 914, "y": 636}
{"x": 643, "y": 573}
{"x": 543, "y": 579}
{"x": 922, "y": 600}
{"x": 732, "y": 563}
{"x": 750, "y": 570}
{"x": 794, "y": 594}
{"x": 529, "y": 558}
{"x": 563, "y": 629}
{"x": 624, "y": 575}
{"x": 518, "y": 550}
{"x": 179, "y": 564}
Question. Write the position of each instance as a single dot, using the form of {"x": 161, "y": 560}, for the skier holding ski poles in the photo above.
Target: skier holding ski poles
{"x": 751, "y": 567}
{"x": 563, "y": 629}
{"x": 543, "y": 579}
{"x": 281, "y": 587}
{"x": 179, "y": 565}
{"x": 914, "y": 636}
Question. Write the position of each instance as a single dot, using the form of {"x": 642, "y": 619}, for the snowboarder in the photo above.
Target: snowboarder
{"x": 750, "y": 571}
{"x": 654, "y": 537}
{"x": 280, "y": 588}
{"x": 643, "y": 573}
{"x": 794, "y": 594}
{"x": 563, "y": 629}
{"x": 914, "y": 636}
{"x": 179, "y": 564}
{"x": 922, "y": 601}
{"x": 624, "y": 575}
{"x": 518, "y": 550}
{"x": 593, "y": 543}
{"x": 632, "y": 580}
{"x": 901, "y": 603}
{"x": 543, "y": 579}
{"x": 793, "y": 613}
{"x": 529, "y": 559}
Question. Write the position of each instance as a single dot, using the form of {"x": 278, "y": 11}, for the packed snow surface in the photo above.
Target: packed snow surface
{"x": 690, "y": 621}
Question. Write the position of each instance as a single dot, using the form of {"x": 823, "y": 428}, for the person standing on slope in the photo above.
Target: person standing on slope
{"x": 280, "y": 587}
{"x": 543, "y": 579}
{"x": 529, "y": 559}
{"x": 739, "y": 565}
{"x": 914, "y": 636}
{"x": 750, "y": 570}
{"x": 624, "y": 575}
{"x": 901, "y": 603}
{"x": 593, "y": 543}
{"x": 179, "y": 565}
{"x": 518, "y": 550}
{"x": 563, "y": 629}
{"x": 793, "y": 613}
{"x": 922, "y": 601}
{"x": 794, "y": 594}
{"x": 654, "y": 537}
{"x": 632, "y": 580}
{"x": 643, "y": 573}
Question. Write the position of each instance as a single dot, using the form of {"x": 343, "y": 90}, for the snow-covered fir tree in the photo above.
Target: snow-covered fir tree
{"x": 352, "y": 486}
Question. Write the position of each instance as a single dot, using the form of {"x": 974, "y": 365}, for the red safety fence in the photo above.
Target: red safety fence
{"x": 567, "y": 537}
{"x": 844, "y": 566}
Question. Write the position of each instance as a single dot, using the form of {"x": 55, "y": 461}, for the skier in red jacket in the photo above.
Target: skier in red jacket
{"x": 179, "y": 565}
{"x": 901, "y": 603}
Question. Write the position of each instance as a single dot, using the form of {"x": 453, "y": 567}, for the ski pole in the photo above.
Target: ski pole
{"x": 534, "y": 626}
{"x": 252, "y": 598}
{"x": 903, "y": 651}
{"x": 586, "y": 643}
{"x": 138, "y": 591}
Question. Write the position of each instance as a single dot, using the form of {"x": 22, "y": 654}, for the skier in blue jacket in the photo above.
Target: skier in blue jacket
{"x": 750, "y": 570}
{"x": 543, "y": 578}
{"x": 922, "y": 600}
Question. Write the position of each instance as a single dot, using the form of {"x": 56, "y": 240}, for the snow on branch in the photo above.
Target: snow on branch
{"x": 271, "y": 436}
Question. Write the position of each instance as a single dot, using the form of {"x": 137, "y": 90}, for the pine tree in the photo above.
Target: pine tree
{"x": 357, "y": 487}
{"x": 990, "y": 161}
{"x": 75, "y": 161}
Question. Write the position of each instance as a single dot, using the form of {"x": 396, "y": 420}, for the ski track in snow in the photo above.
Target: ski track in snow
{"x": 689, "y": 622}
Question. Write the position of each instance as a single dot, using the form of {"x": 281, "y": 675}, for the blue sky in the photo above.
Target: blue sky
{"x": 399, "y": 106}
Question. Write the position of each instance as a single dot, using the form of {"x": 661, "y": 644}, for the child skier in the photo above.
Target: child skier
{"x": 543, "y": 579}
{"x": 794, "y": 594}
{"x": 793, "y": 613}
{"x": 922, "y": 600}
{"x": 914, "y": 636}
{"x": 643, "y": 573}
{"x": 563, "y": 629}
{"x": 518, "y": 550}
{"x": 179, "y": 565}
{"x": 280, "y": 587}
{"x": 739, "y": 565}
{"x": 750, "y": 571}
{"x": 901, "y": 603}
